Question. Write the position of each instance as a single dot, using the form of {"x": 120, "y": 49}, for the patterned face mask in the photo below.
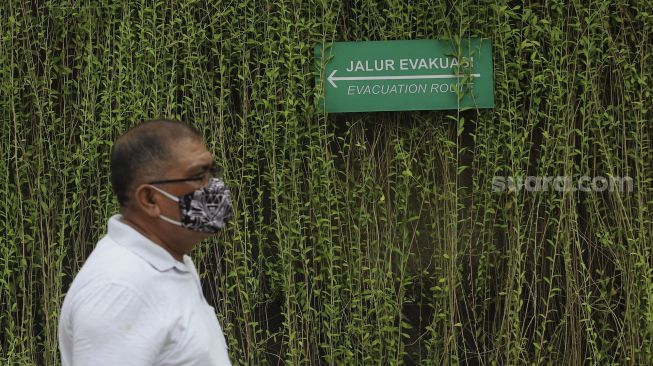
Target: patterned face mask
{"x": 206, "y": 210}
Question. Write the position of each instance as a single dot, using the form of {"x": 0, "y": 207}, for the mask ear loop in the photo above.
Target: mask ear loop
{"x": 167, "y": 219}
{"x": 176, "y": 199}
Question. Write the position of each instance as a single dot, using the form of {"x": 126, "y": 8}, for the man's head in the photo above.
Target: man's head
{"x": 145, "y": 153}
{"x": 151, "y": 165}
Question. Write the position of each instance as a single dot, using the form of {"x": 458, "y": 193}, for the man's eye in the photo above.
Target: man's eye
{"x": 199, "y": 175}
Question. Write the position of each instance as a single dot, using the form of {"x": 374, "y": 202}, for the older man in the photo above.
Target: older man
{"x": 138, "y": 300}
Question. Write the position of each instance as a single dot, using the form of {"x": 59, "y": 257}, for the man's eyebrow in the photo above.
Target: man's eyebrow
{"x": 202, "y": 166}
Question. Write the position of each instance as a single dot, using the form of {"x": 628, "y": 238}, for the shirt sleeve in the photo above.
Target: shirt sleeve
{"x": 113, "y": 325}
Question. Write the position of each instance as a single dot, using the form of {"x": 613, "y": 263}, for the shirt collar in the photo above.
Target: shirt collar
{"x": 143, "y": 247}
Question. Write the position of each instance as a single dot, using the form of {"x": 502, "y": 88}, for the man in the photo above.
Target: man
{"x": 137, "y": 300}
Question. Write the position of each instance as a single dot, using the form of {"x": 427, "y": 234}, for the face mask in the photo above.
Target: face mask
{"x": 206, "y": 210}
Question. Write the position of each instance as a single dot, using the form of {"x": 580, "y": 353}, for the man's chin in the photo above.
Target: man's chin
{"x": 200, "y": 235}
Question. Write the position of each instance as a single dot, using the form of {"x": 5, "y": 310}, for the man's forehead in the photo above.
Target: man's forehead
{"x": 191, "y": 153}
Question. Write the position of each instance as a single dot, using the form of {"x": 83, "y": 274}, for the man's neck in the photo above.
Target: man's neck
{"x": 150, "y": 234}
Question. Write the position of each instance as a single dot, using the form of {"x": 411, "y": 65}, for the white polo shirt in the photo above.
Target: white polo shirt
{"x": 132, "y": 303}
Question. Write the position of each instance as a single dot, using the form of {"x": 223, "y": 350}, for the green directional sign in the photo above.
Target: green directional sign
{"x": 405, "y": 75}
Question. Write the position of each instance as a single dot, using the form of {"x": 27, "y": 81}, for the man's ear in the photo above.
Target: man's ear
{"x": 146, "y": 200}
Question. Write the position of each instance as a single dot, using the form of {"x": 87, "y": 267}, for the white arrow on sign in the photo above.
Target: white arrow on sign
{"x": 332, "y": 78}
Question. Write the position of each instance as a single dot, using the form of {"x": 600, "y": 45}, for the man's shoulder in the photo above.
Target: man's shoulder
{"x": 112, "y": 263}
